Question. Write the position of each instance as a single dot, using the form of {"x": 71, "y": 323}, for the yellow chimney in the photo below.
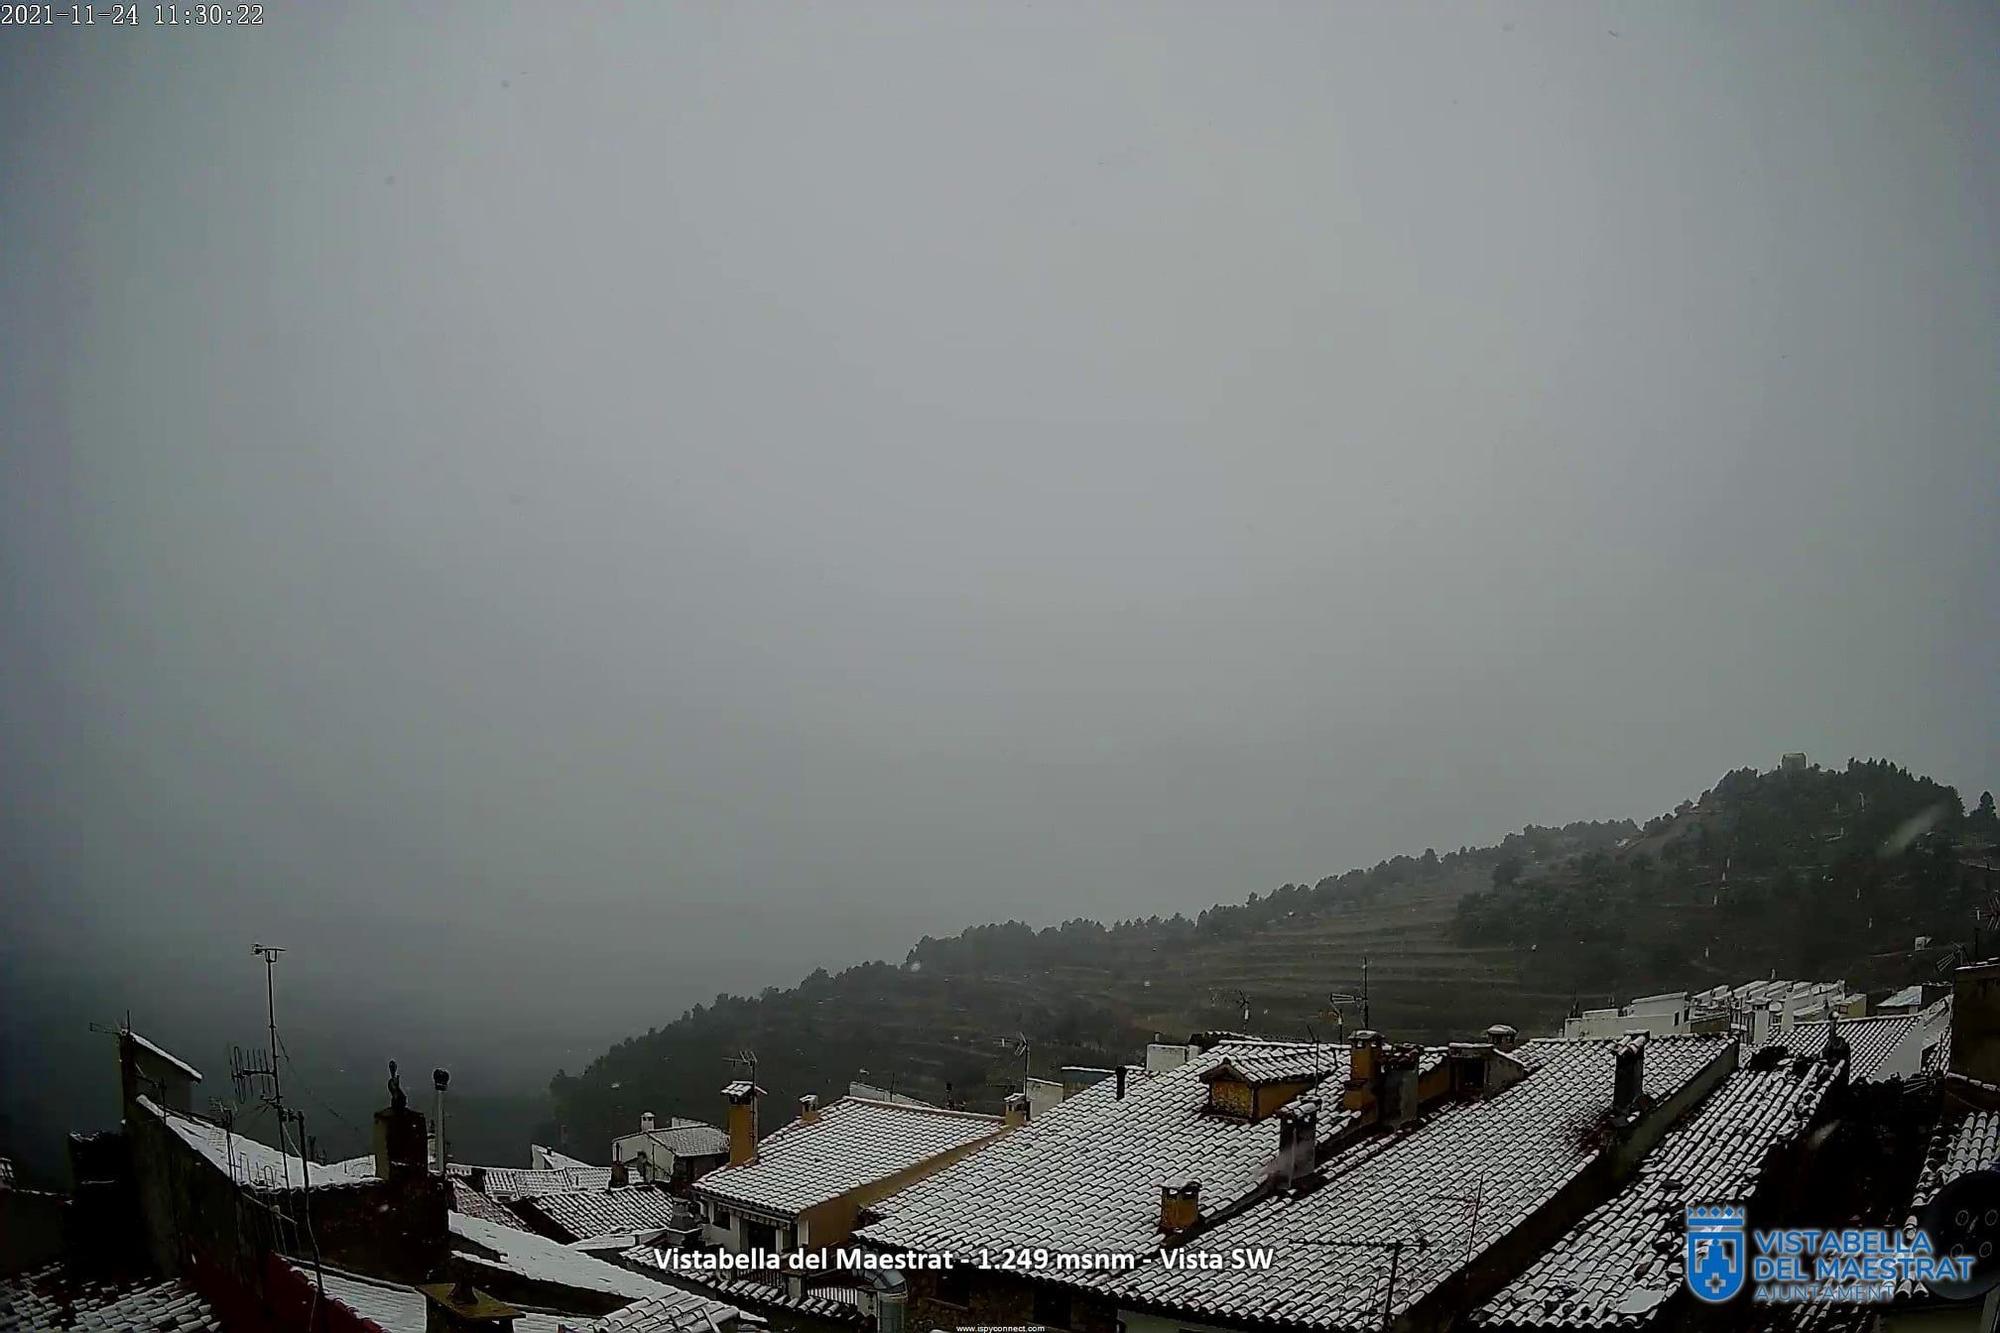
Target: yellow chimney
{"x": 1180, "y": 1207}
{"x": 742, "y": 1097}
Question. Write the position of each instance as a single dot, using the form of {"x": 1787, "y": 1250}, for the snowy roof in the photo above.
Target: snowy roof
{"x": 640, "y": 1208}
{"x": 471, "y": 1202}
{"x": 164, "y": 1054}
{"x": 853, "y": 1142}
{"x": 1270, "y": 1063}
{"x": 514, "y": 1182}
{"x": 758, "y": 1294}
{"x": 691, "y": 1139}
{"x": 1964, "y": 1140}
{"x": 874, "y": 1093}
{"x": 1905, "y": 998}
{"x": 556, "y": 1160}
{"x": 539, "y": 1259}
{"x": 256, "y": 1165}
{"x": 1464, "y": 1176}
{"x": 1086, "y": 1173}
{"x": 1872, "y": 1040}
{"x": 1618, "y": 1266}
{"x": 397, "y": 1308}
{"x": 55, "y": 1297}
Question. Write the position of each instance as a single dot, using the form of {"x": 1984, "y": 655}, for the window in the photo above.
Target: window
{"x": 759, "y": 1235}
{"x": 1051, "y": 1306}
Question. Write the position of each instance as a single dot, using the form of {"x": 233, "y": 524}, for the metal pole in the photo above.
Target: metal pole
{"x": 1389, "y": 1302}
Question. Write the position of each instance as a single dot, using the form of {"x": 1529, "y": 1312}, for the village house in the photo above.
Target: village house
{"x": 675, "y": 1154}
{"x": 802, "y": 1186}
{"x": 1761, "y": 1009}
{"x": 181, "y": 1221}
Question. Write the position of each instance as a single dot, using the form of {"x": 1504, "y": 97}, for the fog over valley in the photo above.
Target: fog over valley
{"x": 553, "y": 515}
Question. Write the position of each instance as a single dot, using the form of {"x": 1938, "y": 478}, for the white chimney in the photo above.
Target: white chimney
{"x": 646, "y": 1121}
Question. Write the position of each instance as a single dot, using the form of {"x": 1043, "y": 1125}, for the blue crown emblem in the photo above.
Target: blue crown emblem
{"x": 1714, "y": 1251}
{"x": 1710, "y": 1217}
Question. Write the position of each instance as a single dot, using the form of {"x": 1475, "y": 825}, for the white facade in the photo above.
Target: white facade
{"x": 1760, "y": 1008}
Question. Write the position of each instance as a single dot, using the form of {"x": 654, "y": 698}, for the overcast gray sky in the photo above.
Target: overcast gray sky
{"x": 703, "y": 491}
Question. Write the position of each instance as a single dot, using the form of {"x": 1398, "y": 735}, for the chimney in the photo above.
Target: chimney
{"x": 1396, "y": 1093}
{"x": 454, "y": 1307}
{"x": 399, "y": 1135}
{"x": 1180, "y": 1207}
{"x": 621, "y": 1175}
{"x": 1629, "y": 1078}
{"x": 1364, "y": 1053}
{"x": 1503, "y": 1037}
{"x": 809, "y": 1109}
{"x": 646, "y": 1122}
{"x": 1121, "y": 1083}
{"x": 1015, "y": 1108}
{"x": 1298, "y": 1141}
{"x": 742, "y": 1097}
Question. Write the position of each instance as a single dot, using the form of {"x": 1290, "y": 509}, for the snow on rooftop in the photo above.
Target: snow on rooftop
{"x": 257, "y": 1165}
{"x": 1624, "y": 1260}
{"x": 1086, "y": 1173}
{"x": 687, "y": 1139}
{"x": 398, "y": 1308}
{"x": 1964, "y": 1140}
{"x": 595, "y": 1213}
{"x": 164, "y": 1054}
{"x": 1872, "y": 1040}
{"x": 514, "y": 1182}
{"x": 1510, "y": 1152}
{"x": 56, "y": 1297}
{"x": 853, "y": 1142}
{"x": 539, "y": 1259}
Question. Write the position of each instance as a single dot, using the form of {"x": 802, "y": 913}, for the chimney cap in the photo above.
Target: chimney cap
{"x": 1366, "y": 1037}
{"x": 742, "y": 1090}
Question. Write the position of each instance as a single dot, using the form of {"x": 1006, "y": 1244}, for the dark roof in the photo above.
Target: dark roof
{"x": 472, "y": 1203}
{"x": 55, "y": 1297}
{"x": 1086, "y": 1173}
{"x": 1446, "y": 1187}
{"x": 1621, "y": 1264}
{"x": 853, "y": 1142}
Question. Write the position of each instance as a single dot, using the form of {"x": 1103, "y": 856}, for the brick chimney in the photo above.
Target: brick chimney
{"x": 1180, "y": 1207}
{"x": 809, "y": 1109}
{"x": 454, "y": 1307}
{"x": 1015, "y": 1110}
{"x": 1503, "y": 1037}
{"x": 742, "y": 1097}
{"x": 1628, "y": 1079}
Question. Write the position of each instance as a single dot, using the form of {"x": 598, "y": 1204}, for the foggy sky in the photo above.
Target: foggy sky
{"x": 552, "y": 515}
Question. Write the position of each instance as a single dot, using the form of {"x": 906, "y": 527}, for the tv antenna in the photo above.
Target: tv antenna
{"x": 746, "y": 1059}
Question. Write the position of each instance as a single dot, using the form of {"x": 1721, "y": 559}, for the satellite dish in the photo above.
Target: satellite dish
{"x": 1963, "y": 1221}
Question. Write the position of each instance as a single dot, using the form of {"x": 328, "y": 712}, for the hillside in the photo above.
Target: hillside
{"x": 1821, "y": 872}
